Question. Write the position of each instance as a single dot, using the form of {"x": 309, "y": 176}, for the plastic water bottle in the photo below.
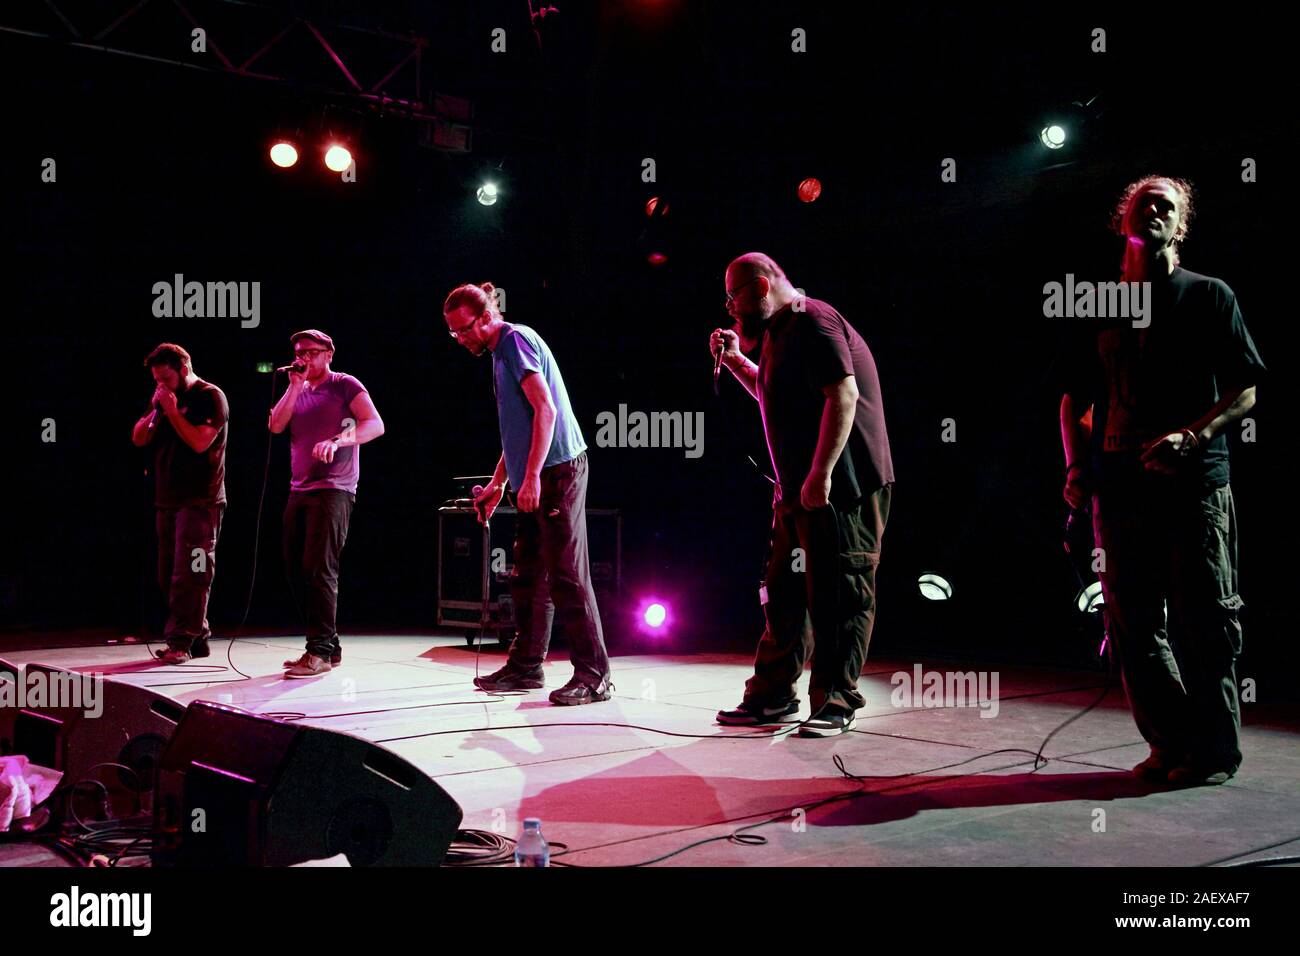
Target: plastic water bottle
{"x": 532, "y": 849}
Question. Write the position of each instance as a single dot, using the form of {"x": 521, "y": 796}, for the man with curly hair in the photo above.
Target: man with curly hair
{"x": 1144, "y": 429}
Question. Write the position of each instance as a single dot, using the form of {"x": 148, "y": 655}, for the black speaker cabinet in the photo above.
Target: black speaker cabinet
{"x": 69, "y": 730}
{"x": 463, "y": 567}
{"x": 239, "y": 789}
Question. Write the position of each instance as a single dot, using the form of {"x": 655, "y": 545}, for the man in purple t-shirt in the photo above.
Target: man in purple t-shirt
{"x": 820, "y": 399}
{"x": 329, "y": 416}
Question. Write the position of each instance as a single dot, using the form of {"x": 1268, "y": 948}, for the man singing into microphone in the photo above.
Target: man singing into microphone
{"x": 329, "y": 416}
{"x": 187, "y": 426}
{"x": 544, "y": 457}
{"x": 819, "y": 396}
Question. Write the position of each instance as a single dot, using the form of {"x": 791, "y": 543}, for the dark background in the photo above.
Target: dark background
{"x": 163, "y": 169}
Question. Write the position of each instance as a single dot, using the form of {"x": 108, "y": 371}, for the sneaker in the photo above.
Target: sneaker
{"x": 1155, "y": 768}
{"x": 828, "y": 723}
{"x": 309, "y": 665}
{"x": 335, "y": 659}
{"x": 749, "y": 715}
{"x": 1191, "y": 775}
{"x": 198, "y": 648}
{"x": 576, "y": 692}
{"x": 507, "y": 678}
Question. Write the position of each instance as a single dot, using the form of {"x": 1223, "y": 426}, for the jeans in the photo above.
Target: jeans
{"x": 552, "y": 575}
{"x": 822, "y": 599}
{"x": 187, "y": 563}
{"x": 315, "y": 530}
{"x": 1170, "y": 588}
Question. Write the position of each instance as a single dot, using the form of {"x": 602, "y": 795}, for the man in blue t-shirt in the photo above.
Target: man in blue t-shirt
{"x": 544, "y": 458}
{"x": 329, "y": 415}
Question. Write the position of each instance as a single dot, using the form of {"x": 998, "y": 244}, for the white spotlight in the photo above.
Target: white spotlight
{"x": 1053, "y": 137}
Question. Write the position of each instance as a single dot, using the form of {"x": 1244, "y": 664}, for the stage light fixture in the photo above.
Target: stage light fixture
{"x": 487, "y": 193}
{"x": 934, "y": 588}
{"x": 1089, "y": 600}
{"x": 656, "y": 258}
{"x": 1053, "y": 137}
{"x": 810, "y": 189}
{"x": 284, "y": 154}
{"x": 653, "y": 616}
{"x": 338, "y": 157}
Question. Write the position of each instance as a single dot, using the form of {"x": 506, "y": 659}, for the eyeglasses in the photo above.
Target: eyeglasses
{"x": 307, "y": 353}
{"x": 731, "y": 296}
{"x": 456, "y": 333}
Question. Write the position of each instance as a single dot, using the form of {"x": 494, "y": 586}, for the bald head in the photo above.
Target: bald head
{"x": 754, "y": 264}
{"x": 757, "y": 288}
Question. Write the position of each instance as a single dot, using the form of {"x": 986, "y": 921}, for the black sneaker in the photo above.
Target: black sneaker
{"x": 1198, "y": 775}
{"x": 750, "y": 715}
{"x": 507, "y": 678}
{"x": 576, "y": 692}
{"x": 828, "y": 722}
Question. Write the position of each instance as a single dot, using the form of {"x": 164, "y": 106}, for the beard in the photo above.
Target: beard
{"x": 754, "y": 324}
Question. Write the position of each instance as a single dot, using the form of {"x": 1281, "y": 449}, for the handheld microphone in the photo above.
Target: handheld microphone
{"x": 468, "y": 502}
{"x": 153, "y": 419}
{"x": 717, "y": 366}
{"x": 295, "y": 367}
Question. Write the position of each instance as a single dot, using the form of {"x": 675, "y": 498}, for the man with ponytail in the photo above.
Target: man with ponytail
{"x": 544, "y": 459}
{"x": 1144, "y": 427}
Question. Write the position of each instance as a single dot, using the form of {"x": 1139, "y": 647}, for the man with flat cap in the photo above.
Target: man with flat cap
{"x": 329, "y": 415}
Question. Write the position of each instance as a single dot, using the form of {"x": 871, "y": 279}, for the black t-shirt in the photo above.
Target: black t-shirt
{"x": 1145, "y": 383}
{"x": 182, "y": 476}
{"x": 804, "y": 351}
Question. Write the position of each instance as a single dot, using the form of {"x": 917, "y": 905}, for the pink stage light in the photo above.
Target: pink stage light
{"x": 653, "y": 616}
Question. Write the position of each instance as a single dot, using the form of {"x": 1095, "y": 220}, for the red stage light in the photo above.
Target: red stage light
{"x": 810, "y": 189}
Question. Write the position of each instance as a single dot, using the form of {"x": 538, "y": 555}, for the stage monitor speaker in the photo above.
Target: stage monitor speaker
{"x": 75, "y": 722}
{"x": 238, "y": 789}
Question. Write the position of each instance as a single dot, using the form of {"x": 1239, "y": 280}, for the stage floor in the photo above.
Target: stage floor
{"x": 618, "y": 795}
